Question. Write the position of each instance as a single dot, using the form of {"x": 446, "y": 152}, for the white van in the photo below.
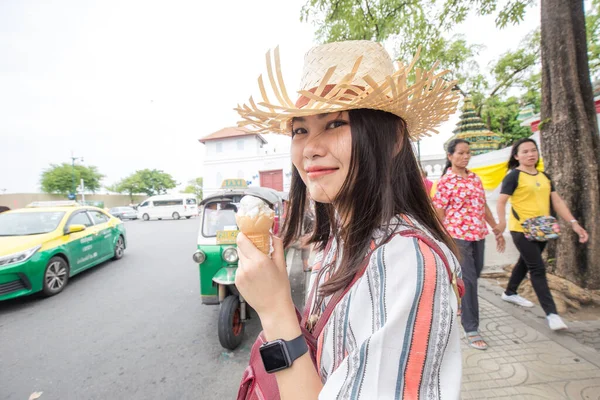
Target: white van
{"x": 165, "y": 206}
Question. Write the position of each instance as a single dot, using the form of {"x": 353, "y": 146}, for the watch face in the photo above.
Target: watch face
{"x": 274, "y": 356}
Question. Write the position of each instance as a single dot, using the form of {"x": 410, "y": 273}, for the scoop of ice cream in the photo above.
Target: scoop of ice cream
{"x": 253, "y": 207}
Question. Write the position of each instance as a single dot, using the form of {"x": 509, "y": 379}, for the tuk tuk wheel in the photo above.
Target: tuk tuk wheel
{"x": 231, "y": 327}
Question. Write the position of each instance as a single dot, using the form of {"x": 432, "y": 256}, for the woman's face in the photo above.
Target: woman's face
{"x": 461, "y": 156}
{"x": 321, "y": 151}
{"x": 527, "y": 154}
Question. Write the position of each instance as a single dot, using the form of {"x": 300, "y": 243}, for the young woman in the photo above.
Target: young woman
{"x": 394, "y": 334}
{"x": 531, "y": 193}
{"x": 461, "y": 205}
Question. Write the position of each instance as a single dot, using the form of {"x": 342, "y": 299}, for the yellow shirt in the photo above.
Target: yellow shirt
{"x": 530, "y": 196}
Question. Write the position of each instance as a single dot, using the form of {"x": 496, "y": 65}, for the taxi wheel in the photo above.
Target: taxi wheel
{"x": 56, "y": 276}
{"x": 188, "y": 217}
{"x": 146, "y": 217}
{"x": 231, "y": 326}
{"x": 176, "y": 215}
{"x": 119, "y": 248}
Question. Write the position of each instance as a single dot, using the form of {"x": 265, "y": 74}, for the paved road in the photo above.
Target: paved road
{"x": 130, "y": 329}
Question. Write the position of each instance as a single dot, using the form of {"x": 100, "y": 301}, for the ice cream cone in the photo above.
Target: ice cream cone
{"x": 261, "y": 241}
{"x": 255, "y": 220}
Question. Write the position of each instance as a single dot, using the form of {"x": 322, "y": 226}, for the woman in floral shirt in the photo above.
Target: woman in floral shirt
{"x": 461, "y": 205}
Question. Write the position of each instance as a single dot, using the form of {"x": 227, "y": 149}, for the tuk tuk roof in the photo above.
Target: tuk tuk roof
{"x": 267, "y": 194}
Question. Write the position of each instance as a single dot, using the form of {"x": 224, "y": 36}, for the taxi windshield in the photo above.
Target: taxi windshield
{"x": 218, "y": 216}
{"x": 29, "y": 223}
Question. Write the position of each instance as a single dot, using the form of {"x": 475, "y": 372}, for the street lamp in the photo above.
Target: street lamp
{"x": 73, "y": 159}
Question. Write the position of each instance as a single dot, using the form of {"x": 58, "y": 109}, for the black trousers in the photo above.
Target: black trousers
{"x": 471, "y": 263}
{"x": 531, "y": 260}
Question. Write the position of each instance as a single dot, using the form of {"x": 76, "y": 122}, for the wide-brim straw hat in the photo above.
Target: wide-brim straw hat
{"x": 350, "y": 75}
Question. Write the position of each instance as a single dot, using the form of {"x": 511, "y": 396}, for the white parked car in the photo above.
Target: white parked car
{"x": 165, "y": 206}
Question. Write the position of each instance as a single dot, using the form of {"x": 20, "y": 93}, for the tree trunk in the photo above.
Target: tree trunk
{"x": 569, "y": 136}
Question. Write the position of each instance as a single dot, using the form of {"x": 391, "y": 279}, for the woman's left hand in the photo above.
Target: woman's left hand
{"x": 500, "y": 243}
{"x": 583, "y": 235}
{"x": 263, "y": 281}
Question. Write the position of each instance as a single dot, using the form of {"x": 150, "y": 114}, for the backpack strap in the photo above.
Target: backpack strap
{"x": 456, "y": 282}
{"x": 308, "y": 303}
{"x": 316, "y": 332}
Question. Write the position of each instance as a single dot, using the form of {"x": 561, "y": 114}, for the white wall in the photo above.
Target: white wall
{"x": 235, "y": 147}
{"x": 246, "y": 168}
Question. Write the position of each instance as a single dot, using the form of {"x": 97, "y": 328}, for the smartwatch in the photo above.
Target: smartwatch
{"x": 280, "y": 354}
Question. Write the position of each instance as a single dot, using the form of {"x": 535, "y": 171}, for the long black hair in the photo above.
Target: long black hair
{"x": 450, "y": 150}
{"x": 384, "y": 180}
{"x": 512, "y": 161}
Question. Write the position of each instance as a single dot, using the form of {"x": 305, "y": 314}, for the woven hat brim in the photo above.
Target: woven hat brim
{"x": 424, "y": 104}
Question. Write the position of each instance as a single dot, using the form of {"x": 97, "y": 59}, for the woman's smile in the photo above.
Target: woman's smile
{"x": 317, "y": 172}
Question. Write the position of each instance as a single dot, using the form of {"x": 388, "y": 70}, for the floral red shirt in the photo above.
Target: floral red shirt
{"x": 464, "y": 202}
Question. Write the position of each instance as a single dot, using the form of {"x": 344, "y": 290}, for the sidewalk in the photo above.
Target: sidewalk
{"x": 525, "y": 359}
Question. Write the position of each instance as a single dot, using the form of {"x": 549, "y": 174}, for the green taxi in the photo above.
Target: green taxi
{"x": 46, "y": 243}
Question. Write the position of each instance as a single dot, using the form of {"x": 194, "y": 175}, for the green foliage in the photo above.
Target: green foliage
{"x": 195, "y": 187}
{"x": 501, "y": 116}
{"x": 58, "y": 179}
{"x": 514, "y": 67}
{"x": 130, "y": 185}
{"x": 592, "y": 25}
{"x": 367, "y": 20}
{"x": 513, "y": 12}
{"x": 381, "y": 19}
{"x": 148, "y": 181}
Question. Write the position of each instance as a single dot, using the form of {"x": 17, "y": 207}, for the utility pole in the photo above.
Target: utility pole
{"x": 73, "y": 189}
{"x": 82, "y": 193}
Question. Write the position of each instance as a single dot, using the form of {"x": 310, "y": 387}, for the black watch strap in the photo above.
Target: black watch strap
{"x": 280, "y": 354}
{"x": 296, "y": 348}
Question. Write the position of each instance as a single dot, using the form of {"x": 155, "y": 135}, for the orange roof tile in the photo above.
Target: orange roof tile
{"x": 227, "y": 133}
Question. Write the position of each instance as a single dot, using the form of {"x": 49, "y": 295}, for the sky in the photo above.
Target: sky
{"x": 134, "y": 84}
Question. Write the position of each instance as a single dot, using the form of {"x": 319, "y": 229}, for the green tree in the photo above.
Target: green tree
{"x": 148, "y": 181}
{"x": 58, "y": 179}
{"x": 570, "y": 139}
{"x": 501, "y": 115}
{"x": 195, "y": 186}
{"x": 130, "y": 185}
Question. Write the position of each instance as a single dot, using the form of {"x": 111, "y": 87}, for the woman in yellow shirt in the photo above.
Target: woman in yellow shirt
{"x": 531, "y": 194}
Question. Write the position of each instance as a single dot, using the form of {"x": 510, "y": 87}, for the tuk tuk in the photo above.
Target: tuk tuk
{"x": 217, "y": 256}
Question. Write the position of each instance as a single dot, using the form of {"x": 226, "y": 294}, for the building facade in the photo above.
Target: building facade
{"x": 233, "y": 153}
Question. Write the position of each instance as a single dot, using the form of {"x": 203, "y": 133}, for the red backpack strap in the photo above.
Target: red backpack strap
{"x": 457, "y": 283}
{"x": 340, "y": 295}
{"x": 308, "y": 304}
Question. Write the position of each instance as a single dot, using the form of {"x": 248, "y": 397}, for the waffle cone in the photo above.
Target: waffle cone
{"x": 257, "y": 230}
{"x": 261, "y": 241}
